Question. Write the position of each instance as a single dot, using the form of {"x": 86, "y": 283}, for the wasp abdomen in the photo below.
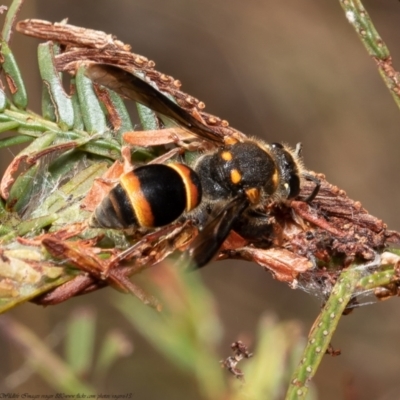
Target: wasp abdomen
{"x": 149, "y": 196}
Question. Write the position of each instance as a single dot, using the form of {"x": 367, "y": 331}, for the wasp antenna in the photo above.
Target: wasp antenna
{"x": 298, "y": 150}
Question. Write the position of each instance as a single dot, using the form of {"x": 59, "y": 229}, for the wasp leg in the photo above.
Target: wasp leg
{"x": 315, "y": 191}
{"x": 207, "y": 243}
{"x": 256, "y": 227}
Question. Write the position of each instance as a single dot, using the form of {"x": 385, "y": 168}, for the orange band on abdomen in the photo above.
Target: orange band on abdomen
{"x": 132, "y": 186}
{"x": 192, "y": 192}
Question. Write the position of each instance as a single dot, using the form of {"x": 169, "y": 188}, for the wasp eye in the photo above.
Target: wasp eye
{"x": 294, "y": 186}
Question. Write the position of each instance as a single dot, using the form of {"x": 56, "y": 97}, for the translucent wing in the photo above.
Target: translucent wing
{"x": 128, "y": 85}
{"x": 206, "y": 245}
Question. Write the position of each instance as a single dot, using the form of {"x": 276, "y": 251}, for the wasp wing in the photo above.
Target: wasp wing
{"x": 128, "y": 85}
{"x": 207, "y": 243}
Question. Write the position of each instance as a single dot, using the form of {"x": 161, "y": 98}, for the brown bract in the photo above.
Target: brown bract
{"x": 102, "y": 186}
{"x": 27, "y": 160}
{"x": 338, "y": 226}
{"x": 70, "y": 34}
{"x": 117, "y": 267}
{"x": 308, "y": 239}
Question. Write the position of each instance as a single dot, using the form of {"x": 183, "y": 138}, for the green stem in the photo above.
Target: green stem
{"x": 10, "y": 19}
{"x": 358, "y": 17}
{"x": 322, "y": 331}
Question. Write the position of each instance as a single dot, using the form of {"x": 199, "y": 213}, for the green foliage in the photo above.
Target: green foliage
{"x": 187, "y": 332}
{"x": 69, "y": 374}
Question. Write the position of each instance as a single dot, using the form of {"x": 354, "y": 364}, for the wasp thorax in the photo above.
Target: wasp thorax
{"x": 243, "y": 166}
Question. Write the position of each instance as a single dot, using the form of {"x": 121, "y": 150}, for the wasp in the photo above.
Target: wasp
{"x": 226, "y": 188}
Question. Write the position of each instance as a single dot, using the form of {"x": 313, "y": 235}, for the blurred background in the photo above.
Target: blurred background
{"x": 291, "y": 71}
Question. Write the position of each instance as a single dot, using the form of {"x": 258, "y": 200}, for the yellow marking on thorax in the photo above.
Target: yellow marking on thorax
{"x": 236, "y": 176}
{"x": 228, "y": 140}
{"x": 275, "y": 178}
{"x": 226, "y": 155}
